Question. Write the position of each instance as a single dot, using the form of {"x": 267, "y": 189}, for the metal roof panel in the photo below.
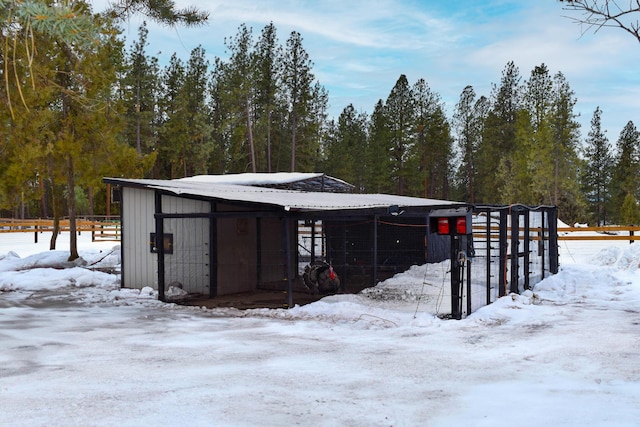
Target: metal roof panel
{"x": 289, "y": 200}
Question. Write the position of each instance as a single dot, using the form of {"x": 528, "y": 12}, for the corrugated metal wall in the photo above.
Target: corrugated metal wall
{"x": 189, "y": 262}
{"x": 139, "y": 265}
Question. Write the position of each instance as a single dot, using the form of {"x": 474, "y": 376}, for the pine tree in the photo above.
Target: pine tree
{"x": 74, "y": 24}
{"x": 139, "y": 90}
{"x": 238, "y": 94}
{"x": 498, "y": 139}
{"x": 534, "y": 168}
{"x": 26, "y": 136}
{"x": 85, "y": 114}
{"x": 400, "y": 118}
{"x": 345, "y": 152}
{"x": 521, "y": 165}
{"x": 310, "y": 155}
{"x": 200, "y": 145}
{"x": 71, "y": 40}
{"x": 597, "y": 172}
{"x": 433, "y": 144}
{"x": 566, "y": 135}
{"x": 267, "y": 60}
{"x": 625, "y": 178}
{"x": 299, "y": 92}
{"x": 173, "y": 138}
{"x": 162, "y": 11}
{"x": 378, "y": 157}
{"x": 538, "y": 95}
{"x": 468, "y": 120}
{"x": 629, "y": 211}
{"x": 467, "y": 141}
{"x": 220, "y": 134}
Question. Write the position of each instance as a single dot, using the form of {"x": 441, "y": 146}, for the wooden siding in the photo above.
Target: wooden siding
{"x": 237, "y": 252}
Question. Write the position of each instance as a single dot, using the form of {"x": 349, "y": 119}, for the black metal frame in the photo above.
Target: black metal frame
{"x": 508, "y": 216}
{"x": 373, "y": 215}
{"x": 514, "y": 241}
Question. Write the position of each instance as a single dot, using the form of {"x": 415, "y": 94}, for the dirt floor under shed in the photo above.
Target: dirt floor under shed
{"x": 248, "y": 300}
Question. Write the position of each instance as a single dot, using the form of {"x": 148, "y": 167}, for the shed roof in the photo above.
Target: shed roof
{"x": 283, "y": 180}
{"x": 288, "y": 200}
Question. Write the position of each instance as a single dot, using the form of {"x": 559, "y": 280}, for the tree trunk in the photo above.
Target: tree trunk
{"x": 269, "y": 141}
{"x": 90, "y": 196}
{"x": 56, "y": 230}
{"x": 293, "y": 143}
{"x": 252, "y": 150}
{"x": 56, "y": 217}
{"x": 470, "y": 179}
{"x": 71, "y": 201}
{"x": 43, "y": 197}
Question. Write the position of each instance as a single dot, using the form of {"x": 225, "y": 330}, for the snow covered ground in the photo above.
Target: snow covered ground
{"x": 79, "y": 351}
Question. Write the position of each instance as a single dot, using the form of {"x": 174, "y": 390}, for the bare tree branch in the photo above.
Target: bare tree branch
{"x": 597, "y": 14}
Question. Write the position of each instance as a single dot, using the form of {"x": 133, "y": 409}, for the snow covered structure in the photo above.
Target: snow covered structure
{"x": 231, "y": 234}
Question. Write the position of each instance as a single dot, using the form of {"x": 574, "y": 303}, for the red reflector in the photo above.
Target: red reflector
{"x": 443, "y": 225}
{"x": 461, "y": 225}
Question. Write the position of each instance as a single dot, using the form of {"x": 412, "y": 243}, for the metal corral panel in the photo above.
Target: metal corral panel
{"x": 188, "y": 262}
{"x": 139, "y": 265}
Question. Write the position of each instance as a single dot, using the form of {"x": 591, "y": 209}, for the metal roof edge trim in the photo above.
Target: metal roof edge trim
{"x": 306, "y": 201}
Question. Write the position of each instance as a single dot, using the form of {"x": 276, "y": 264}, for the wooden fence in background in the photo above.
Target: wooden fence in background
{"x": 101, "y": 228}
{"x": 108, "y": 228}
{"x": 609, "y": 232}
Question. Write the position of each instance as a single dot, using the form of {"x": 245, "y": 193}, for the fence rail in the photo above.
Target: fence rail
{"x": 609, "y": 232}
{"x": 101, "y": 229}
{"x": 108, "y": 228}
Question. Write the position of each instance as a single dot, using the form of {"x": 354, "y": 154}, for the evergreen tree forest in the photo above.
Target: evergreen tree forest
{"x": 74, "y": 113}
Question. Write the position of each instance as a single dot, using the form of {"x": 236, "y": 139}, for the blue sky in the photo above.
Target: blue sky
{"x": 360, "y": 47}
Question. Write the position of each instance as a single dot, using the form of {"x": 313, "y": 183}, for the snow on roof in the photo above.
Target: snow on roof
{"x": 289, "y": 200}
{"x": 293, "y": 180}
{"x": 252, "y": 178}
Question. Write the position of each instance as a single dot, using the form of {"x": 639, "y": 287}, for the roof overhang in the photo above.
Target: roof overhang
{"x": 291, "y": 201}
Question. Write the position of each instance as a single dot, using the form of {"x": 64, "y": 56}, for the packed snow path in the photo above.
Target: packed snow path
{"x": 84, "y": 352}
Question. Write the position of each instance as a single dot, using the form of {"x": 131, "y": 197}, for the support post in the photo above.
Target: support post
{"x": 488, "y": 256}
{"x": 515, "y": 243}
{"x": 526, "y": 243}
{"x": 553, "y": 240}
{"x": 313, "y": 241}
{"x": 468, "y": 263}
{"x": 375, "y": 250}
{"x": 502, "y": 273}
{"x": 160, "y": 244}
{"x": 213, "y": 254}
{"x": 456, "y": 278}
{"x": 287, "y": 237}
{"x": 259, "y": 265}
{"x": 541, "y": 248}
